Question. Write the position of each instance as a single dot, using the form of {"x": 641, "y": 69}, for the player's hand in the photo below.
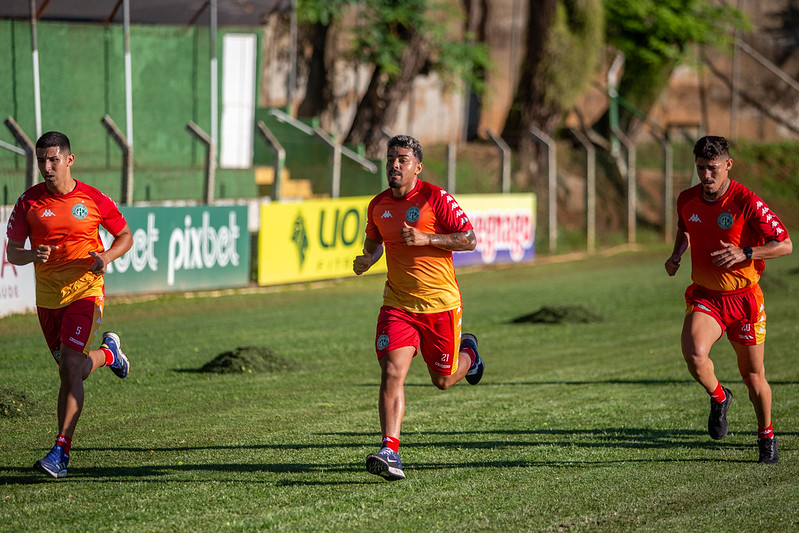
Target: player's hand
{"x": 728, "y": 255}
{"x": 672, "y": 265}
{"x": 42, "y": 252}
{"x": 413, "y": 236}
{"x": 361, "y": 264}
{"x": 98, "y": 268}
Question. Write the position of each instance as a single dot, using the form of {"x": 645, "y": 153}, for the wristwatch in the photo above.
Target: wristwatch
{"x": 748, "y": 252}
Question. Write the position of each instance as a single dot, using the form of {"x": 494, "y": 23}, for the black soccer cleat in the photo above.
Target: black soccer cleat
{"x": 768, "y": 450}
{"x": 475, "y": 373}
{"x": 717, "y": 425}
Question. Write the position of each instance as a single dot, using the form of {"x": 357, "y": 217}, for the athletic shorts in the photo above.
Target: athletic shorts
{"x": 74, "y": 325}
{"x": 437, "y": 334}
{"x": 741, "y": 313}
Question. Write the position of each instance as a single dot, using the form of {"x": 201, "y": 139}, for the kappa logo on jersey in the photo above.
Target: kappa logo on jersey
{"x": 47, "y": 213}
{"x": 412, "y": 214}
{"x": 386, "y": 214}
{"x": 80, "y": 211}
{"x": 694, "y": 218}
{"x": 725, "y": 221}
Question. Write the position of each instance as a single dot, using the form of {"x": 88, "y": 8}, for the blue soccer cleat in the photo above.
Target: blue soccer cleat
{"x": 54, "y": 463}
{"x": 121, "y": 365}
{"x": 475, "y": 373}
{"x": 385, "y": 463}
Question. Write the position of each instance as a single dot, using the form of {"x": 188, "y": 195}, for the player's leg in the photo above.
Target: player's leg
{"x": 700, "y": 332}
{"x": 752, "y": 369}
{"x": 753, "y": 372}
{"x": 449, "y": 357}
{"x": 396, "y": 341}
{"x": 394, "y": 367}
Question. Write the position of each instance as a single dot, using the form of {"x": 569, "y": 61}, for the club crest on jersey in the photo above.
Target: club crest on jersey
{"x": 725, "y": 221}
{"x": 412, "y": 214}
{"x": 80, "y": 211}
{"x": 382, "y": 342}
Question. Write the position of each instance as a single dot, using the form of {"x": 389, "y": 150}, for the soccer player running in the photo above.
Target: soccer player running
{"x": 420, "y": 225}
{"x": 730, "y": 232}
{"x": 61, "y": 217}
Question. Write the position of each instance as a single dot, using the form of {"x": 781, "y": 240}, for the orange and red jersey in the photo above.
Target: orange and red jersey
{"x": 70, "y": 221}
{"x": 421, "y": 279}
{"x": 739, "y": 217}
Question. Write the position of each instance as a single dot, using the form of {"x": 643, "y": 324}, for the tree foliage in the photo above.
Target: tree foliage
{"x": 654, "y": 36}
{"x": 402, "y": 40}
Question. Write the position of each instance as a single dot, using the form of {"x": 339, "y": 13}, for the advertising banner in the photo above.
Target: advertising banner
{"x": 505, "y": 228}
{"x": 311, "y": 240}
{"x": 318, "y": 239}
{"x": 181, "y": 249}
{"x": 17, "y": 283}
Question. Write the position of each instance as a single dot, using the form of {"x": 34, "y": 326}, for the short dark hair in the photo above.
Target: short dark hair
{"x": 54, "y": 138}
{"x": 712, "y": 147}
{"x": 406, "y": 141}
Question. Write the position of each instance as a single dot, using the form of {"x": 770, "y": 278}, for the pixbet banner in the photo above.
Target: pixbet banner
{"x": 181, "y": 249}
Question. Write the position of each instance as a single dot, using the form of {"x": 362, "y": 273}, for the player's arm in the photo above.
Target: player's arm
{"x": 372, "y": 251}
{"x": 122, "y": 243}
{"x": 681, "y": 242}
{"x": 17, "y": 254}
{"x": 729, "y": 254}
{"x": 460, "y": 241}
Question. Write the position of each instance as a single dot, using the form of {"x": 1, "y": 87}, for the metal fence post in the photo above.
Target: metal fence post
{"x": 280, "y": 156}
{"x": 210, "y": 160}
{"x": 28, "y": 150}
{"x": 552, "y": 185}
{"x": 126, "y": 194}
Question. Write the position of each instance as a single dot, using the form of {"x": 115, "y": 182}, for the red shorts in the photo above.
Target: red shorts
{"x": 74, "y": 325}
{"x": 437, "y": 334}
{"x": 741, "y": 313}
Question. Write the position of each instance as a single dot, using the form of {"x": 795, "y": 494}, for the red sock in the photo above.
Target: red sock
{"x": 391, "y": 442}
{"x": 65, "y": 442}
{"x": 471, "y": 354}
{"x": 109, "y": 356}
{"x": 766, "y": 432}
{"x": 718, "y": 394}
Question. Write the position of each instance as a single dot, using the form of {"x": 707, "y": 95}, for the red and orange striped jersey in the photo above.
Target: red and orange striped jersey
{"x": 70, "y": 221}
{"x": 739, "y": 217}
{"x": 421, "y": 279}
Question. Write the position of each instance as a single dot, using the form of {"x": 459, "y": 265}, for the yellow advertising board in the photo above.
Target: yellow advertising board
{"x": 311, "y": 240}
{"x": 318, "y": 239}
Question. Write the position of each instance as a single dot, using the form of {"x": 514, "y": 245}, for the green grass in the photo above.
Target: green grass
{"x": 578, "y": 427}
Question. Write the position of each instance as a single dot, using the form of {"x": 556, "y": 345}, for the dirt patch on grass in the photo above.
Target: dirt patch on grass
{"x": 573, "y": 314}
{"x": 15, "y": 403}
{"x": 249, "y": 360}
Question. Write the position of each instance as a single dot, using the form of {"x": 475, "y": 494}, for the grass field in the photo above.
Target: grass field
{"x": 575, "y": 427}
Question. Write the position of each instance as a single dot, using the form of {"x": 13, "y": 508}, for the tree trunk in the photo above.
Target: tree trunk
{"x": 317, "y": 91}
{"x": 379, "y": 105}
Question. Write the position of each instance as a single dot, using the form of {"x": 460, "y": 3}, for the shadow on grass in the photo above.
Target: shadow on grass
{"x": 189, "y": 473}
{"x": 593, "y": 438}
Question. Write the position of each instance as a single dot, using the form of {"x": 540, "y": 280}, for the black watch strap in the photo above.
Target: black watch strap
{"x": 748, "y": 252}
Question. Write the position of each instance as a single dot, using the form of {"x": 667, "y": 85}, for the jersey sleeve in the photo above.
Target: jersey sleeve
{"x": 112, "y": 218}
{"x": 448, "y": 213}
{"x": 18, "y": 229}
{"x": 764, "y": 221}
{"x": 372, "y": 232}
